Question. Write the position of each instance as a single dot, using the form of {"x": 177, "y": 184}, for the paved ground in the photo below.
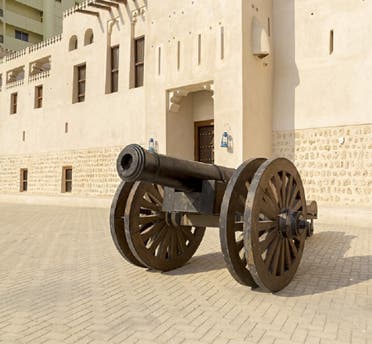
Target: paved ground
{"x": 62, "y": 281}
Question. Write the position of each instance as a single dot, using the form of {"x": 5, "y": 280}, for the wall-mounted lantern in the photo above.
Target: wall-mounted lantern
{"x": 225, "y": 140}
{"x": 151, "y": 145}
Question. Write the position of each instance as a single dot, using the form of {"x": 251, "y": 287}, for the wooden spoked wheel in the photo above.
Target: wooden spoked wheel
{"x": 117, "y": 222}
{"x": 275, "y": 219}
{"x": 232, "y": 221}
{"x": 154, "y": 236}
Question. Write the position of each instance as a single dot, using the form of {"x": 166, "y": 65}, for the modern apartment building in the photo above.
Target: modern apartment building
{"x": 25, "y": 22}
{"x": 289, "y": 78}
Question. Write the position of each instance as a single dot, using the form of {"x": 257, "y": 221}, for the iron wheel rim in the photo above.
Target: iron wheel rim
{"x": 272, "y": 257}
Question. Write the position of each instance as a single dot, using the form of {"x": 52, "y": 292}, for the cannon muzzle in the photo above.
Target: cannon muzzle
{"x": 137, "y": 164}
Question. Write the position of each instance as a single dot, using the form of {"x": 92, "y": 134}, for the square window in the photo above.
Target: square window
{"x": 23, "y": 180}
{"x": 67, "y": 179}
{"x": 23, "y": 36}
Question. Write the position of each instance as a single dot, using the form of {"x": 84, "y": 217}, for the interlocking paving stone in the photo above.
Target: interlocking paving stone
{"x": 62, "y": 281}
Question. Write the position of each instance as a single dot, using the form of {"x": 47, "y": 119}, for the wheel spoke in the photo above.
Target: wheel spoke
{"x": 272, "y": 194}
{"x": 289, "y": 189}
{"x": 293, "y": 197}
{"x": 268, "y": 211}
{"x": 281, "y": 261}
{"x": 288, "y": 258}
{"x": 268, "y": 240}
{"x": 148, "y": 205}
{"x": 157, "y": 239}
{"x": 284, "y": 187}
{"x": 155, "y": 196}
{"x": 163, "y": 246}
{"x": 277, "y": 184}
{"x": 270, "y": 252}
{"x": 151, "y": 231}
{"x": 271, "y": 203}
{"x": 144, "y": 219}
{"x": 173, "y": 246}
{"x": 274, "y": 266}
{"x": 181, "y": 241}
{"x": 297, "y": 205}
{"x": 293, "y": 248}
{"x": 264, "y": 226}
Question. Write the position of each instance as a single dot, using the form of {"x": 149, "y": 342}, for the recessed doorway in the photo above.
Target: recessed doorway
{"x": 190, "y": 123}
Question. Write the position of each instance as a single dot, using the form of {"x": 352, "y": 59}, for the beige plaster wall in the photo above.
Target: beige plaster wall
{"x": 313, "y": 88}
{"x": 257, "y": 80}
{"x": 188, "y": 20}
{"x": 101, "y": 120}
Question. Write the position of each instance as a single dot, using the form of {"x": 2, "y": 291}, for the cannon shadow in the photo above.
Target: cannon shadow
{"x": 324, "y": 266}
{"x": 201, "y": 263}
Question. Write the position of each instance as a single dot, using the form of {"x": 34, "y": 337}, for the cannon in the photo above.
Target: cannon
{"x": 163, "y": 206}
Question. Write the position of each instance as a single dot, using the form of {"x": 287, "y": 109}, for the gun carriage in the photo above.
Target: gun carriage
{"x": 163, "y": 205}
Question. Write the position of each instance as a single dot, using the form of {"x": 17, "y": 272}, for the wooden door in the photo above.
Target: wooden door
{"x": 204, "y": 141}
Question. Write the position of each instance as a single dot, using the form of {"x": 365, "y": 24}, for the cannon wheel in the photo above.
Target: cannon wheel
{"x": 232, "y": 221}
{"x": 117, "y": 223}
{"x": 153, "y": 235}
{"x": 273, "y": 250}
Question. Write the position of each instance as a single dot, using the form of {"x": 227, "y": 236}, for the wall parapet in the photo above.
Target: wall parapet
{"x": 16, "y": 54}
{"x": 80, "y": 6}
{"x": 39, "y": 76}
{"x": 35, "y": 47}
{"x": 15, "y": 83}
{"x": 45, "y": 43}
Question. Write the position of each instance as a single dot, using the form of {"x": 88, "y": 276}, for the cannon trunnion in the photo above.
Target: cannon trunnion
{"x": 163, "y": 205}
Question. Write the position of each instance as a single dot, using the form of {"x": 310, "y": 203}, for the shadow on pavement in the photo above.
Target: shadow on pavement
{"x": 324, "y": 266}
{"x": 203, "y": 263}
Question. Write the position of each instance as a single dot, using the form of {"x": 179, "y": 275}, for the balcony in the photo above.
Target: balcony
{"x": 39, "y": 69}
{"x": 38, "y": 4}
{"x": 15, "y": 77}
{"x": 25, "y": 23}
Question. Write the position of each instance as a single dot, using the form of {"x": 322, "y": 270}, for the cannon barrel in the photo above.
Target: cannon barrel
{"x": 137, "y": 164}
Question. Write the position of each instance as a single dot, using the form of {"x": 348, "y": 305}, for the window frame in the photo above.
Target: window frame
{"x": 65, "y": 180}
{"x": 78, "y": 81}
{"x": 138, "y": 64}
{"x": 38, "y": 102}
{"x": 23, "y": 187}
{"x": 13, "y": 103}
{"x": 23, "y": 36}
{"x": 114, "y": 71}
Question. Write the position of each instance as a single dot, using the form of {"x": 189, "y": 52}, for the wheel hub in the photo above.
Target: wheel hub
{"x": 291, "y": 223}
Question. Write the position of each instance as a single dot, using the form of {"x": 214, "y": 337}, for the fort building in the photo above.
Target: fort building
{"x": 216, "y": 81}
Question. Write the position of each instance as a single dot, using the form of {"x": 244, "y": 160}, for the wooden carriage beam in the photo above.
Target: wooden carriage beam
{"x": 107, "y": 3}
{"x": 92, "y": 13}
